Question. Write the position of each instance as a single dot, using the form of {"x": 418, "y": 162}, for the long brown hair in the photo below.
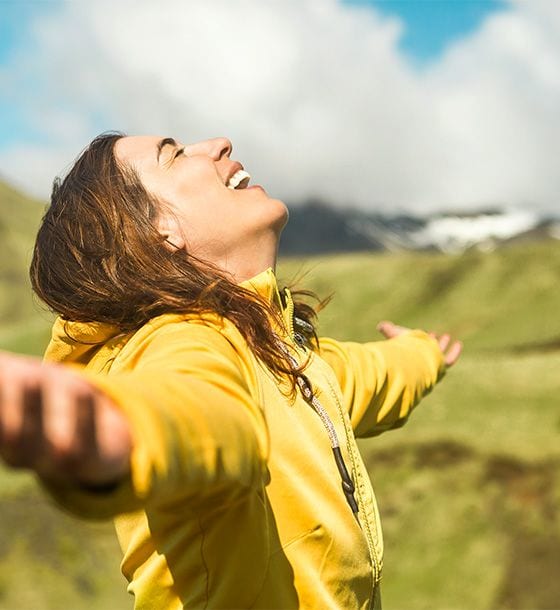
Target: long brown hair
{"x": 98, "y": 257}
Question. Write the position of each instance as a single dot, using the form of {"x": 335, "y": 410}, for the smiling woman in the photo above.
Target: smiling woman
{"x": 193, "y": 180}
{"x": 201, "y": 410}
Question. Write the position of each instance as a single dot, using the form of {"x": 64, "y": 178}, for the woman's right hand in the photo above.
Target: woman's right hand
{"x": 56, "y": 423}
{"x": 450, "y": 348}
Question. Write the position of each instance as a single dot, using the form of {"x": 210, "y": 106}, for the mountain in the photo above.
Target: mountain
{"x": 484, "y": 230}
{"x": 316, "y": 228}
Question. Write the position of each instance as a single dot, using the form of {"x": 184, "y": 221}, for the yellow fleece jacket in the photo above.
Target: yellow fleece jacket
{"x": 234, "y": 499}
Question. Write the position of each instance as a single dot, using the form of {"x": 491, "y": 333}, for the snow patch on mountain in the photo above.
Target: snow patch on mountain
{"x": 317, "y": 227}
{"x": 457, "y": 233}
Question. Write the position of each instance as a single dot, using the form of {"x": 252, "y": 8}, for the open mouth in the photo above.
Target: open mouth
{"x": 239, "y": 180}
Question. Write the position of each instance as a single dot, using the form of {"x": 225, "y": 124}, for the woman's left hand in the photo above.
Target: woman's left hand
{"x": 451, "y": 349}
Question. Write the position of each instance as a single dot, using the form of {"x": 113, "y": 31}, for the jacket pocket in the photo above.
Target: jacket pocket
{"x": 298, "y": 538}
{"x": 295, "y": 571}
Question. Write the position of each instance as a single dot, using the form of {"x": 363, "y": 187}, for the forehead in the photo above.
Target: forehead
{"x": 138, "y": 151}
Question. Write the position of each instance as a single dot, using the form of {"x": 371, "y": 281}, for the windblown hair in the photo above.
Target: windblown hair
{"x": 98, "y": 257}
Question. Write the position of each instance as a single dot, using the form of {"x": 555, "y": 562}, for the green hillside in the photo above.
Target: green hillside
{"x": 506, "y": 300}
{"x": 22, "y": 327}
{"x": 469, "y": 489}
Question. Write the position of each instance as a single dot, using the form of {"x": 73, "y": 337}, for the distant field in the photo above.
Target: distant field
{"x": 469, "y": 489}
{"x": 506, "y": 300}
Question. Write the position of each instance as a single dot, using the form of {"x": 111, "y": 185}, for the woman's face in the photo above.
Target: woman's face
{"x": 211, "y": 220}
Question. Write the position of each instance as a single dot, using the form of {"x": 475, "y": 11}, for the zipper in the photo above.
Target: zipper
{"x": 376, "y": 564}
{"x": 290, "y": 312}
{"x": 305, "y": 387}
{"x": 348, "y": 485}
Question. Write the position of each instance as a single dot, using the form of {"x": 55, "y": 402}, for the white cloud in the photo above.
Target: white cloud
{"x": 32, "y": 167}
{"x": 315, "y": 95}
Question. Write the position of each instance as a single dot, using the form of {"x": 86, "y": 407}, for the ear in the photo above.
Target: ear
{"x": 169, "y": 228}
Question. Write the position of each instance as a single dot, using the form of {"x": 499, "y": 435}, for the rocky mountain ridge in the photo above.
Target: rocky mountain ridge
{"x": 316, "y": 227}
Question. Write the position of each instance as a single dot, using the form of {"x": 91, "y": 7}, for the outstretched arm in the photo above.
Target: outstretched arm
{"x": 382, "y": 381}
{"x": 179, "y": 424}
{"x": 56, "y": 423}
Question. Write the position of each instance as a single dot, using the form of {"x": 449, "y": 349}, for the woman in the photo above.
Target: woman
{"x": 197, "y": 407}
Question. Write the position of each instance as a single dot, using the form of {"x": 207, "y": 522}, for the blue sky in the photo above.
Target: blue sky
{"x": 15, "y": 18}
{"x": 433, "y": 24}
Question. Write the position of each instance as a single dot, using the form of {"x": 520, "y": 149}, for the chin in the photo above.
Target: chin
{"x": 280, "y": 218}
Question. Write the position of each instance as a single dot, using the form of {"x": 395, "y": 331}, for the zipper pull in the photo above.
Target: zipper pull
{"x": 348, "y": 486}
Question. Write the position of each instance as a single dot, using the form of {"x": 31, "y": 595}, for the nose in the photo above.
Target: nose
{"x": 222, "y": 147}
{"x": 215, "y": 148}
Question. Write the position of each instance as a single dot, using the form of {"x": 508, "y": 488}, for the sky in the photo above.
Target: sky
{"x": 385, "y": 105}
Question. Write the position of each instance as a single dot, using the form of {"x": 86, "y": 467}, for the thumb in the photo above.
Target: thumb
{"x": 390, "y": 330}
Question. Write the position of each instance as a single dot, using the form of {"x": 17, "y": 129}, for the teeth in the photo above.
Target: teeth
{"x": 239, "y": 179}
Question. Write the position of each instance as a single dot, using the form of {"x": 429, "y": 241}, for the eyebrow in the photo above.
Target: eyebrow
{"x": 165, "y": 142}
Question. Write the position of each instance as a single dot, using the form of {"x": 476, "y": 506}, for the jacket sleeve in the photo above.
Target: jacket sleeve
{"x": 382, "y": 381}
{"x": 197, "y": 431}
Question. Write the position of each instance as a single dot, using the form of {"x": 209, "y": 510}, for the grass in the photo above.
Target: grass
{"x": 50, "y": 561}
{"x": 494, "y": 302}
{"x": 28, "y": 337}
{"x": 19, "y": 220}
{"x": 499, "y": 403}
{"x": 469, "y": 489}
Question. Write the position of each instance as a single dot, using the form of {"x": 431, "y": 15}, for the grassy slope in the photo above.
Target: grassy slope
{"x": 493, "y": 301}
{"x": 468, "y": 489}
{"x": 24, "y": 327}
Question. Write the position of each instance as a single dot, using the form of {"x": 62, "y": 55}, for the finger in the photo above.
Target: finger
{"x": 31, "y": 442}
{"x": 85, "y": 441}
{"x": 11, "y": 417}
{"x": 86, "y": 435}
{"x": 113, "y": 437}
{"x": 385, "y": 328}
{"x": 444, "y": 341}
{"x": 453, "y": 353}
{"x": 390, "y": 330}
{"x": 59, "y": 424}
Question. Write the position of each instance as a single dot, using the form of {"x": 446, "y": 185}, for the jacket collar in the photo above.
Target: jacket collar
{"x": 266, "y": 285}
{"x": 77, "y": 341}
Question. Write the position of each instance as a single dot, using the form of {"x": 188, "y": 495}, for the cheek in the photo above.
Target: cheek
{"x": 208, "y": 225}
{"x": 199, "y": 203}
